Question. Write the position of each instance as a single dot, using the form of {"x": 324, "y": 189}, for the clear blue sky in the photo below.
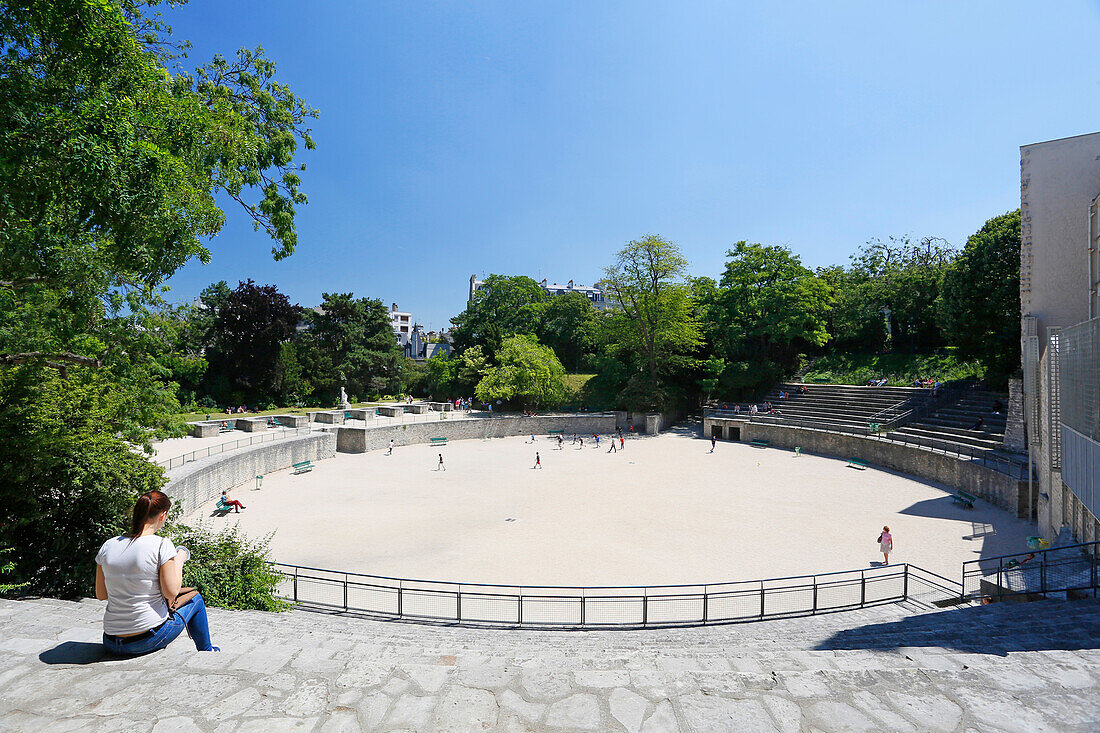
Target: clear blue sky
{"x": 536, "y": 138}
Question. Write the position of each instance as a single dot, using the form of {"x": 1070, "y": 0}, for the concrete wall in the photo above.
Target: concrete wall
{"x": 292, "y": 421}
{"x": 417, "y": 408}
{"x": 994, "y": 487}
{"x": 203, "y": 429}
{"x": 366, "y": 414}
{"x": 251, "y": 424}
{"x": 359, "y": 440}
{"x": 1014, "y": 417}
{"x": 330, "y": 417}
{"x": 200, "y": 481}
{"x": 391, "y": 411}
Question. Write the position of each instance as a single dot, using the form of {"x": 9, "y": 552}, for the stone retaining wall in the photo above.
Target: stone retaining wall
{"x": 993, "y": 486}
{"x": 200, "y": 481}
{"x": 360, "y": 440}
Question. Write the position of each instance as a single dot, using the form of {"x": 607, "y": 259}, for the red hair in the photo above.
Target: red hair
{"x": 148, "y": 505}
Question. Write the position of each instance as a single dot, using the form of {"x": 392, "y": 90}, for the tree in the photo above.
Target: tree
{"x": 570, "y": 327}
{"x": 502, "y": 307}
{"x": 248, "y": 333}
{"x": 980, "y": 298}
{"x": 527, "y": 372}
{"x": 656, "y": 320}
{"x": 112, "y": 165}
{"x": 855, "y": 320}
{"x": 351, "y": 344}
{"x": 766, "y": 308}
{"x": 443, "y": 375}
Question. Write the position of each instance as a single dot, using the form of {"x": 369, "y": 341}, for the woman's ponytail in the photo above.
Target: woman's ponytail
{"x": 149, "y": 504}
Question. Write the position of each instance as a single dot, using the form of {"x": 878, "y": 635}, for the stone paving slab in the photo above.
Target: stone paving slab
{"x": 1007, "y": 667}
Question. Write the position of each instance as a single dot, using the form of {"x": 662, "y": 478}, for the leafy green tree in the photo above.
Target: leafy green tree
{"x": 570, "y": 326}
{"x": 503, "y": 307}
{"x": 527, "y": 373}
{"x": 655, "y": 324}
{"x": 443, "y": 375}
{"x": 66, "y": 483}
{"x": 471, "y": 367}
{"x": 248, "y": 333}
{"x": 351, "y": 344}
{"x": 112, "y": 165}
{"x": 766, "y": 309}
{"x": 980, "y": 298}
{"x": 291, "y": 383}
{"x": 855, "y": 320}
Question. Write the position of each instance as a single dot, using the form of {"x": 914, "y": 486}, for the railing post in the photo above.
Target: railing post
{"x": 345, "y": 591}
{"x": 519, "y": 606}
{"x": 295, "y": 584}
{"x": 400, "y": 600}
{"x": 584, "y": 602}
{"x": 761, "y": 599}
{"x": 645, "y": 607}
{"x": 1000, "y": 571}
{"x": 1043, "y": 575}
{"x": 705, "y": 598}
{"x": 862, "y": 588}
{"x": 814, "y": 610}
{"x": 905, "y": 584}
{"x": 458, "y": 603}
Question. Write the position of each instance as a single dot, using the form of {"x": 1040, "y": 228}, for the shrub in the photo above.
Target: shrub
{"x": 228, "y": 568}
{"x": 6, "y": 569}
{"x": 207, "y": 403}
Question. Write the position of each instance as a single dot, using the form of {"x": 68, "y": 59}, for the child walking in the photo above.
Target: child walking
{"x": 538, "y": 461}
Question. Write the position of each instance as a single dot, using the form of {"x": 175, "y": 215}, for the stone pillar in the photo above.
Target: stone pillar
{"x": 330, "y": 418}
{"x": 204, "y": 429}
{"x": 351, "y": 440}
{"x": 292, "y": 421}
{"x": 251, "y": 424}
{"x": 366, "y": 414}
{"x": 1014, "y": 417}
{"x": 391, "y": 411}
{"x": 416, "y": 408}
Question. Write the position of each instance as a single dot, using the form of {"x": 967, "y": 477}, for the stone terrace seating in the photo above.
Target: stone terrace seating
{"x": 950, "y": 426}
{"x": 844, "y": 406}
{"x": 1007, "y": 666}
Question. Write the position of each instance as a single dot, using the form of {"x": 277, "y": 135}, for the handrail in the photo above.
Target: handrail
{"x": 601, "y": 606}
{"x": 215, "y": 449}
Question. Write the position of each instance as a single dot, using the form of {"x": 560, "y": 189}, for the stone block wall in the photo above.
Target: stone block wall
{"x": 360, "y": 440}
{"x": 203, "y": 429}
{"x": 200, "y": 481}
{"x": 292, "y": 421}
{"x": 417, "y": 409}
{"x": 391, "y": 411}
{"x": 1014, "y": 416}
{"x": 251, "y": 424}
{"x": 993, "y": 486}
{"x": 329, "y": 417}
{"x": 366, "y": 414}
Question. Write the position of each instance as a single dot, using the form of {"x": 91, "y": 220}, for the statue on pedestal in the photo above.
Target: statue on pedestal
{"x": 344, "y": 404}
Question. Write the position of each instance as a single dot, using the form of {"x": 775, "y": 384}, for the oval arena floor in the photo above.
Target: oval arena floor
{"x": 662, "y": 511}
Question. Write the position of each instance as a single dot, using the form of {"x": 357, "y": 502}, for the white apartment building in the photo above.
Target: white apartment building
{"x": 402, "y": 323}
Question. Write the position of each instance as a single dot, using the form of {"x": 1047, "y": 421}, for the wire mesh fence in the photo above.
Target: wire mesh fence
{"x": 1072, "y": 570}
{"x": 595, "y": 607}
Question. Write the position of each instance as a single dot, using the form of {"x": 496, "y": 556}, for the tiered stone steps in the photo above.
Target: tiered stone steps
{"x": 1033, "y": 667}
{"x": 951, "y": 426}
{"x": 845, "y": 406}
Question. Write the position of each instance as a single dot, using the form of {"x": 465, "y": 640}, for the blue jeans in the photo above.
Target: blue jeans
{"x": 192, "y": 615}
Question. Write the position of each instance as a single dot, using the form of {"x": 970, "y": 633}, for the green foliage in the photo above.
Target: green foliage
{"x": 898, "y": 369}
{"x": 570, "y": 326}
{"x": 251, "y": 325}
{"x": 442, "y": 379}
{"x": 528, "y": 373}
{"x": 351, "y": 345}
{"x": 655, "y": 329}
{"x": 67, "y": 483}
{"x": 765, "y": 310}
{"x": 502, "y": 307}
{"x": 229, "y": 569}
{"x": 980, "y": 298}
{"x": 7, "y": 568}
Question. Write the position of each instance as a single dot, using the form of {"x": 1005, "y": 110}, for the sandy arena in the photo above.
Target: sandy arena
{"x": 662, "y": 511}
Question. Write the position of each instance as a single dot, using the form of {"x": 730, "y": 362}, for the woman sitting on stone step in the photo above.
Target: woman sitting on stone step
{"x": 140, "y": 576}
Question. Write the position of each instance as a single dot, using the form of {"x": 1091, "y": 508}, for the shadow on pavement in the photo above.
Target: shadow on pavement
{"x": 76, "y": 652}
{"x": 998, "y": 628}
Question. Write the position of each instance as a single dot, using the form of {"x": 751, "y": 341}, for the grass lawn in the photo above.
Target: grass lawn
{"x": 898, "y": 369}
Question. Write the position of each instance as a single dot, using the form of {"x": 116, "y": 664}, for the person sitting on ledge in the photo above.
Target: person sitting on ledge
{"x": 139, "y": 575}
{"x": 978, "y": 424}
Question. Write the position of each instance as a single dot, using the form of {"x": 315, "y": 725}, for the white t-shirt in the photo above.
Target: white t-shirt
{"x": 132, "y": 572}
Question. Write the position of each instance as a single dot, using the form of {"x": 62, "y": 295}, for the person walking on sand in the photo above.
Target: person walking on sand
{"x": 885, "y": 544}
{"x": 622, "y": 443}
{"x": 596, "y": 437}
{"x": 390, "y": 451}
{"x": 713, "y": 442}
{"x": 613, "y": 448}
{"x": 560, "y": 442}
{"x": 440, "y": 466}
{"x": 538, "y": 461}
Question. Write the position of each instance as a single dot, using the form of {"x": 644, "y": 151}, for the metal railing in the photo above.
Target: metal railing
{"x": 1073, "y": 568}
{"x": 609, "y": 606}
{"x": 213, "y": 450}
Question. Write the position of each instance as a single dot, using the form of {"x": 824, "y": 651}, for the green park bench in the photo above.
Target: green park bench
{"x": 223, "y": 507}
{"x": 439, "y": 441}
{"x": 961, "y": 497}
{"x": 758, "y": 443}
{"x": 303, "y": 467}
{"x": 873, "y": 427}
{"x": 820, "y": 380}
{"x": 226, "y": 428}
{"x": 857, "y": 463}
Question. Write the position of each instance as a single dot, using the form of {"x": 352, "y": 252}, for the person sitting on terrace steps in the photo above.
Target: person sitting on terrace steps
{"x": 140, "y": 576}
{"x": 978, "y": 423}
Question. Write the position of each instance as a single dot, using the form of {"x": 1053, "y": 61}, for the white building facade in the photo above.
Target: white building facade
{"x": 594, "y": 293}
{"x": 1060, "y": 330}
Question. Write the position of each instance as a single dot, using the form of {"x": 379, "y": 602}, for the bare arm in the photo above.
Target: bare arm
{"x": 171, "y": 576}
{"x": 100, "y": 584}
